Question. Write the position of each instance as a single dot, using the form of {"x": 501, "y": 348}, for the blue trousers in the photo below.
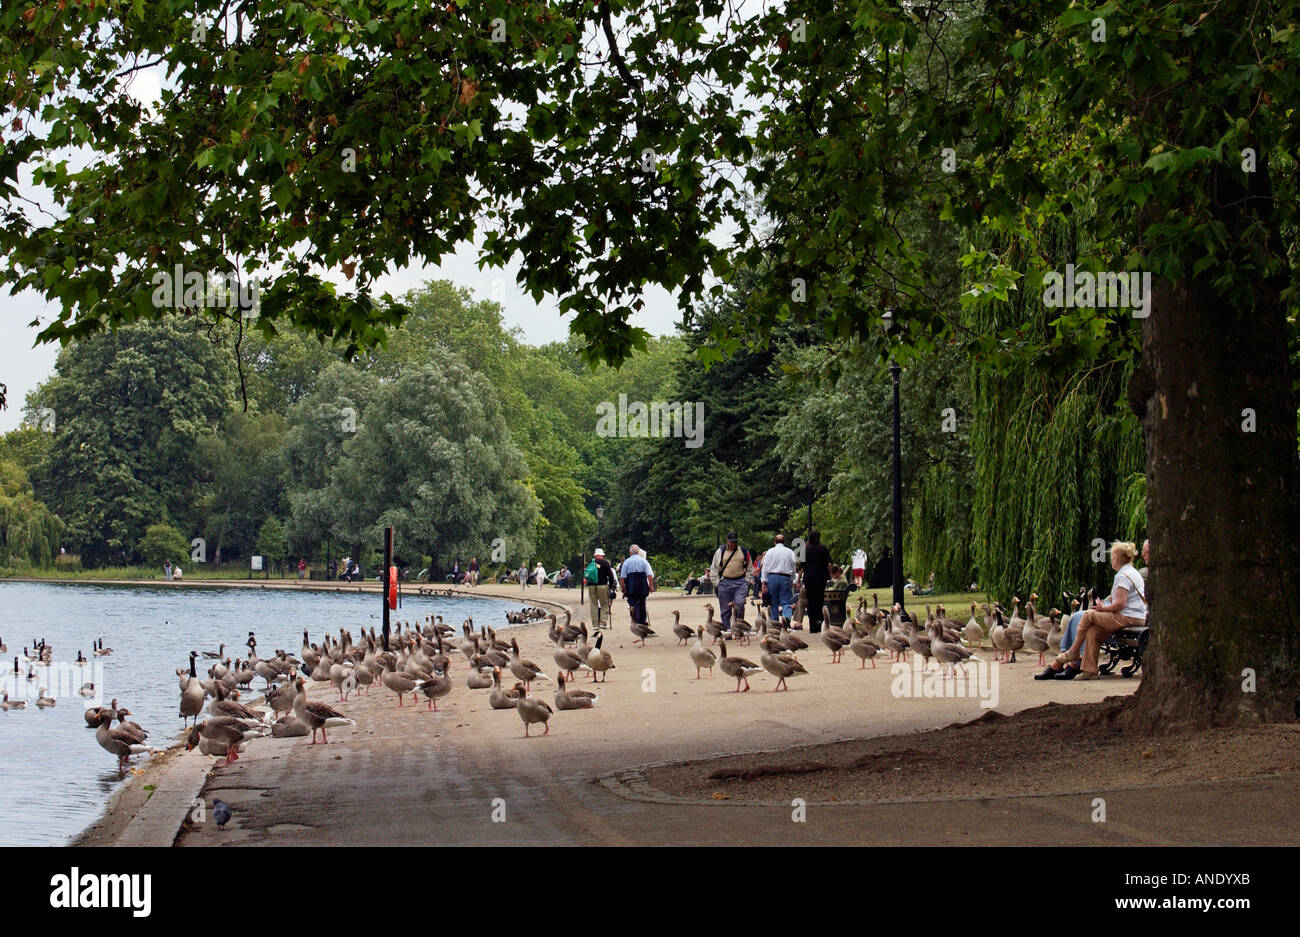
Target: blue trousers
{"x": 731, "y": 590}
{"x": 780, "y": 594}
{"x": 1071, "y": 629}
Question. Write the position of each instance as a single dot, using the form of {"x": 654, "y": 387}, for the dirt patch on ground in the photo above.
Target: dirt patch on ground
{"x": 1052, "y": 749}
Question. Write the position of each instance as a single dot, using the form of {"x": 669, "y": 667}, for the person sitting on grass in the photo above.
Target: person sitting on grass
{"x": 1127, "y": 607}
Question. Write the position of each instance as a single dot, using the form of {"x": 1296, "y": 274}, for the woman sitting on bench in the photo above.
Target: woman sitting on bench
{"x": 1126, "y": 608}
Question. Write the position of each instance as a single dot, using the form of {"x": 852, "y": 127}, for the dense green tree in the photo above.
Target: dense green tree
{"x": 432, "y": 457}
{"x": 163, "y": 542}
{"x": 241, "y": 470}
{"x": 271, "y": 542}
{"x": 316, "y": 429}
{"x": 29, "y": 532}
{"x": 130, "y": 407}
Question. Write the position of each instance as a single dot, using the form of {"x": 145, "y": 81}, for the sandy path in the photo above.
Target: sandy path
{"x": 407, "y": 775}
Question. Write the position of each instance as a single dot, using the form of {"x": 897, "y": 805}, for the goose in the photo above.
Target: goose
{"x": 791, "y": 641}
{"x": 568, "y": 629}
{"x": 280, "y": 698}
{"x": 7, "y": 704}
{"x": 231, "y": 708}
{"x": 712, "y": 626}
{"x": 478, "y": 679}
{"x": 1004, "y": 638}
{"x": 100, "y": 650}
{"x": 192, "y": 694}
{"x": 92, "y": 716}
{"x": 739, "y": 627}
{"x": 4, "y": 648}
{"x": 972, "y": 632}
{"x": 220, "y": 652}
{"x": 364, "y": 674}
{"x": 309, "y": 654}
{"x": 500, "y": 699}
{"x": 436, "y": 688}
{"x": 316, "y": 715}
{"x": 288, "y": 727}
{"x": 1015, "y": 623}
{"x": 1057, "y": 631}
{"x": 947, "y": 652}
{"x": 836, "y": 639}
{"x": 684, "y": 632}
{"x": 574, "y": 699}
{"x": 780, "y": 665}
{"x": 642, "y": 631}
{"x": 81, "y": 660}
{"x": 1034, "y": 635}
{"x": 701, "y": 656}
{"x": 862, "y": 645}
{"x": 581, "y": 647}
{"x": 399, "y": 681}
{"x": 119, "y": 742}
{"x": 554, "y": 632}
{"x": 737, "y": 667}
{"x": 31, "y": 673}
{"x": 566, "y": 659}
{"x": 532, "y": 711}
{"x": 132, "y": 728}
{"x": 87, "y": 690}
{"x": 221, "y": 736}
{"x": 524, "y": 669}
{"x": 600, "y": 660}
{"x": 895, "y": 641}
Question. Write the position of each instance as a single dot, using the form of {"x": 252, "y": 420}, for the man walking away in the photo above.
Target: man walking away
{"x": 600, "y": 578}
{"x": 816, "y": 573}
{"x": 731, "y": 569}
{"x": 638, "y": 581}
{"x": 778, "y": 574}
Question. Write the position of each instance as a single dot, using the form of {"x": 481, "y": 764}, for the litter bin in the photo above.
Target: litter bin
{"x": 835, "y": 601}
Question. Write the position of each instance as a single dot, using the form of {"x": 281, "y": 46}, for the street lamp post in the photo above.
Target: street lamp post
{"x": 600, "y": 515}
{"x": 898, "y": 498}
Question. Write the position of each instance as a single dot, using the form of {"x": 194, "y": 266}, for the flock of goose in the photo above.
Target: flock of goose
{"x": 418, "y": 661}
{"x": 41, "y": 654}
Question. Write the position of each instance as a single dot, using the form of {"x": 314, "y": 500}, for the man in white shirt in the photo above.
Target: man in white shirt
{"x": 778, "y": 578}
{"x": 638, "y": 581}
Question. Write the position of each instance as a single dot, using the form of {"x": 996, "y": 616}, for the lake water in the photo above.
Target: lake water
{"x": 54, "y": 777}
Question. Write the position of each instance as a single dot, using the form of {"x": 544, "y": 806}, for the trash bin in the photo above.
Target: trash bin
{"x": 835, "y": 601}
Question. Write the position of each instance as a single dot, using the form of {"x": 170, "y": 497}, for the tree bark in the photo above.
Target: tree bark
{"x": 1215, "y": 395}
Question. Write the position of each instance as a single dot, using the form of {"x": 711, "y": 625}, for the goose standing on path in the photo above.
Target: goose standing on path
{"x": 524, "y": 669}
{"x": 117, "y": 742}
{"x": 701, "y": 656}
{"x": 600, "y": 660}
{"x": 863, "y": 646}
{"x": 947, "y": 652}
{"x": 533, "y": 711}
{"x": 501, "y": 699}
{"x": 780, "y": 665}
{"x": 684, "y": 632}
{"x": 316, "y": 715}
{"x": 437, "y": 687}
{"x": 399, "y": 681}
{"x": 712, "y": 626}
{"x": 737, "y": 667}
{"x": 973, "y": 633}
{"x": 566, "y": 659}
{"x": 192, "y": 694}
{"x": 641, "y": 631}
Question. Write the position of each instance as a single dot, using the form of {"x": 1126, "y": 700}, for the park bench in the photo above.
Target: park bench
{"x": 1126, "y": 644}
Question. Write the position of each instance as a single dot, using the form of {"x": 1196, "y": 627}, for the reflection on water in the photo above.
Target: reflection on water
{"x": 54, "y": 777}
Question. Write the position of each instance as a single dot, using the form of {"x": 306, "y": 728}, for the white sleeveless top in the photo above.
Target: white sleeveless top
{"x": 1129, "y": 579}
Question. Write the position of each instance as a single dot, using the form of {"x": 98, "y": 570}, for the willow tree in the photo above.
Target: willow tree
{"x": 611, "y": 145}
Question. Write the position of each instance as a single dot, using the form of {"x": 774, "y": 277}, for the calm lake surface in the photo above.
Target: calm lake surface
{"x": 54, "y": 777}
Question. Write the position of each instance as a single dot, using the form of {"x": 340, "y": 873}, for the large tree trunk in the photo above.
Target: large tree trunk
{"x": 1223, "y": 510}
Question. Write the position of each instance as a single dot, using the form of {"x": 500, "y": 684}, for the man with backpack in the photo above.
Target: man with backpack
{"x": 731, "y": 569}
{"x": 637, "y": 579}
{"x": 599, "y": 576}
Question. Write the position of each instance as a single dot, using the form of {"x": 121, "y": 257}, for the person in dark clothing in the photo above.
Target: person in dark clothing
{"x": 816, "y": 573}
{"x": 602, "y": 590}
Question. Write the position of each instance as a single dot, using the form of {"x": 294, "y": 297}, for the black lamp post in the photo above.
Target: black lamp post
{"x": 898, "y": 499}
{"x": 600, "y": 514}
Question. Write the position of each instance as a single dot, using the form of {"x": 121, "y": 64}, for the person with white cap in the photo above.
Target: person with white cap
{"x": 600, "y": 589}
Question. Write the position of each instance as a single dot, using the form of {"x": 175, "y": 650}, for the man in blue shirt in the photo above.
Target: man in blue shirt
{"x": 638, "y": 581}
